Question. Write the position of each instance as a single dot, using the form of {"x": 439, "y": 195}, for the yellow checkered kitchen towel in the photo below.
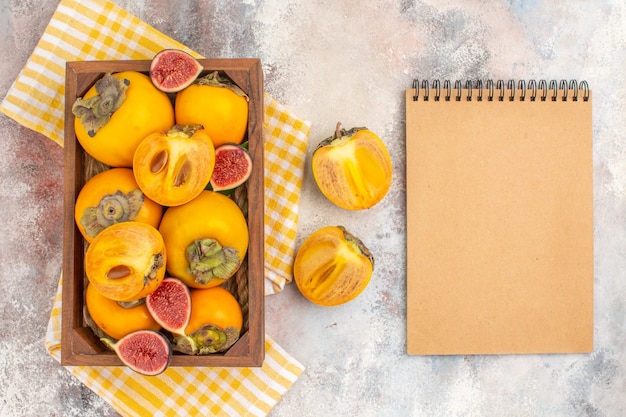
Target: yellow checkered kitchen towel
{"x": 100, "y": 30}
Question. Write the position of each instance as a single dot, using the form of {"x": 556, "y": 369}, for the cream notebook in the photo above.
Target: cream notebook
{"x": 499, "y": 217}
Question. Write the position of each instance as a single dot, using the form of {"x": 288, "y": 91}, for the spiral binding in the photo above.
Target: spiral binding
{"x": 531, "y": 90}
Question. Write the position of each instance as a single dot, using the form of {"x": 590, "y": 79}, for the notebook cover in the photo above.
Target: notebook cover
{"x": 499, "y": 226}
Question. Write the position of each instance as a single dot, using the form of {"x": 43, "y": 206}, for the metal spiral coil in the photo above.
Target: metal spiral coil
{"x": 532, "y": 90}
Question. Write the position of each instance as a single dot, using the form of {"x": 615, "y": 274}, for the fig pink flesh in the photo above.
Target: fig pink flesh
{"x": 146, "y": 352}
{"x": 170, "y": 305}
{"x": 172, "y": 70}
{"x": 232, "y": 167}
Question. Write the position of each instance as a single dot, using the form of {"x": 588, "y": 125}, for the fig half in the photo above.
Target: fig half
{"x": 233, "y": 166}
{"x": 171, "y": 70}
{"x": 170, "y": 305}
{"x": 144, "y": 351}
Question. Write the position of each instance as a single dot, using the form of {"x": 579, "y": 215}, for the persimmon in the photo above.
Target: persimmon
{"x": 111, "y": 197}
{"x": 215, "y": 322}
{"x": 117, "y": 113}
{"x": 126, "y": 261}
{"x": 205, "y": 239}
{"x": 352, "y": 168}
{"x": 332, "y": 266}
{"x": 216, "y": 103}
{"x": 173, "y": 167}
{"x": 117, "y": 320}
{"x": 214, "y": 306}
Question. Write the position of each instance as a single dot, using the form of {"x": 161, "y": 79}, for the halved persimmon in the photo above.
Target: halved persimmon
{"x": 111, "y": 197}
{"x": 352, "y": 168}
{"x": 332, "y": 266}
{"x": 173, "y": 168}
{"x": 126, "y": 261}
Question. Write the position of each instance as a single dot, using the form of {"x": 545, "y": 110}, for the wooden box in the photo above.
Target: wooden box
{"x": 79, "y": 345}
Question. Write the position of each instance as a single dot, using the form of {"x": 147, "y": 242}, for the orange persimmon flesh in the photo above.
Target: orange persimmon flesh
{"x": 332, "y": 266}
{"x": 352, "y": 168}
{"x": 173, "y": 168}
{"x": 126, "y": 261}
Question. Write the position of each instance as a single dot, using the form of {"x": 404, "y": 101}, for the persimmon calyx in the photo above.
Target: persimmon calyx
{"x": 340, "y": 135}
{"x": 185, "y": 131}
{"x": 158, "y": 261}
{"x": 214, "y": 79}
{"x": 357, "y": 244}
{"x": 208, "y": 259}
{"x": 112, "y": 208}
{"x": 206, "y": 340}
{"x": 94, "y": 112}
{"x": 132, "y": 304}
{"x": 185, "y": 344}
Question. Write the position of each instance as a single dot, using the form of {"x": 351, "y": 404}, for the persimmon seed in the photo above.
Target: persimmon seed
{"x": 159, "y": 161}
{"x": 183, "y": 174}
{"x": 119, "y": 271}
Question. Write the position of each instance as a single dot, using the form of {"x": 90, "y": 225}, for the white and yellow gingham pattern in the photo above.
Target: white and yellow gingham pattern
{"x": 185, "y": 391}
{"x": 283, "y": 181}
{"x": 99, "y": 30}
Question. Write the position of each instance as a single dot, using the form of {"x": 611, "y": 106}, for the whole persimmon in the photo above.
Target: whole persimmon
{"x": 117, "y": 113}
{"x": 215, "y": 322}
{"x": 205, "y": 239}
{"x": 216, "y": 103}
{"x": 115, "y": 319}
{"x": 110, "y": 197}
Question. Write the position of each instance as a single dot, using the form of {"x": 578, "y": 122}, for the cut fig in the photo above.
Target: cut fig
{"x": 171, "y": 70}
{"x": 144, "y": 351}
{"x": 170, "y": 305}
{"x": 233, "y": 166}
